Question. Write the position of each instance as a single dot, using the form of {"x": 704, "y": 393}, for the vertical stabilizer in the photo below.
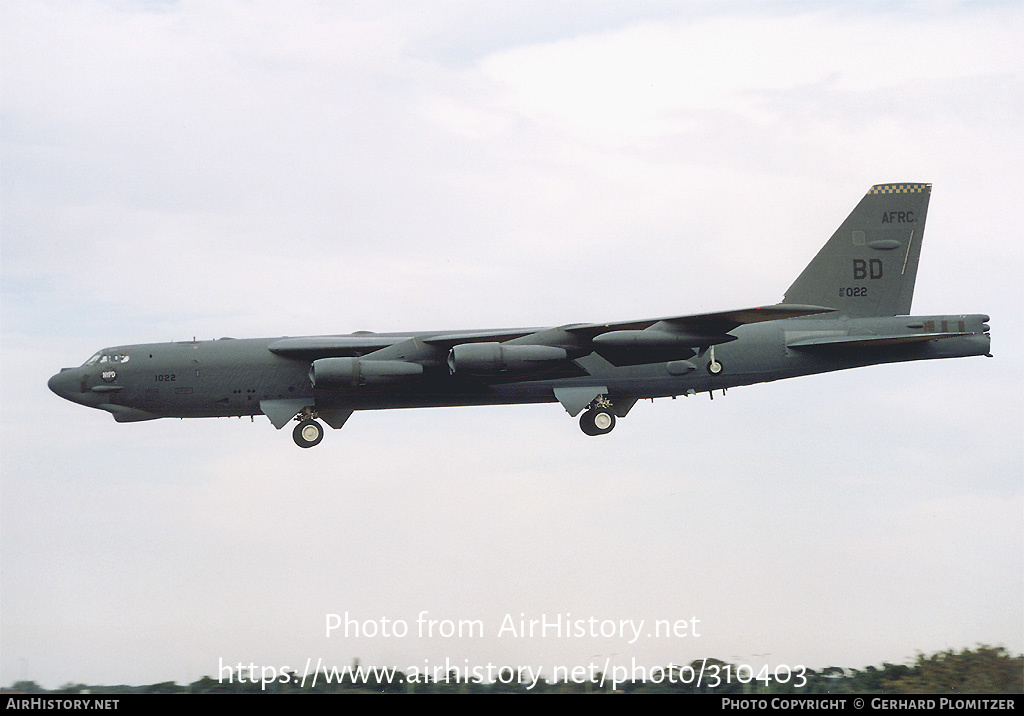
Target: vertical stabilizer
{"x": 869, "y": 266}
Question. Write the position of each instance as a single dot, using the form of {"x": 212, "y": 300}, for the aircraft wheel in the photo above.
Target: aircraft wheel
{"x": 308, "y": 433}
{"x": 714, "y": 367}
{"x": 597, "y": 421}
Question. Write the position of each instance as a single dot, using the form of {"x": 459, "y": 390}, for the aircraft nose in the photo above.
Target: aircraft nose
{"x": 64, "y": 384}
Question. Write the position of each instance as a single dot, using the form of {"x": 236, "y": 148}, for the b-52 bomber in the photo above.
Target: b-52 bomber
{"x": 848, "y": 308}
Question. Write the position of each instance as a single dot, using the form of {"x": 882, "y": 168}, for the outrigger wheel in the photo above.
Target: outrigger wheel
{"x": 714, "y": 367}
{"x": 597, "y": 421}
{"x": 308, "y": 433}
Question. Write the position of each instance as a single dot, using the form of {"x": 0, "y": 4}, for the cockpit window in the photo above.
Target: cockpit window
{"x": 108, "y": 358}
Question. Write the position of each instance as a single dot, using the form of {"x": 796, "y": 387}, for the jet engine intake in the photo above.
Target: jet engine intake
{"x": 495, "y": 358}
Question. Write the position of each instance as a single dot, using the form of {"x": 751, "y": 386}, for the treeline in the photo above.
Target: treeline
{"x": 983, "y": 670}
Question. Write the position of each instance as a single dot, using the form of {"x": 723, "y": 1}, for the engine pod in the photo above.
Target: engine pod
{"x": 355, "y": 372}
{"x": 496, "y": 358}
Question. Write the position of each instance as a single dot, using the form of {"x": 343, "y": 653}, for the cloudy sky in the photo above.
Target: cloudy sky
{"x": 179, "y": 169}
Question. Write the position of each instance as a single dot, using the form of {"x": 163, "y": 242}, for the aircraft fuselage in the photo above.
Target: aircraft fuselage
{"x": 232, "y": 377}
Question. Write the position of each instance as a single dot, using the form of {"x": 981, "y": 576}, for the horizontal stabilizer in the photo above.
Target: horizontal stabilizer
{"x": 840, "y": 342}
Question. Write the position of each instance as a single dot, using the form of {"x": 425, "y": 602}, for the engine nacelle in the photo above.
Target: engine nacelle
{"x": 495, "y": 358}
{"x": 340, "y": 373}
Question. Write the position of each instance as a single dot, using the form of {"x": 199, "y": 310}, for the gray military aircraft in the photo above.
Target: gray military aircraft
{"x": 848, "y": 308}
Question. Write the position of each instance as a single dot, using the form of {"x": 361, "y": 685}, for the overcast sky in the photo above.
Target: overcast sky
{"x": 179, "y": 169}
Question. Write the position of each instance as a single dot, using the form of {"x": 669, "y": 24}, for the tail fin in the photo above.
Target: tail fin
{"x": 869, "y": 266}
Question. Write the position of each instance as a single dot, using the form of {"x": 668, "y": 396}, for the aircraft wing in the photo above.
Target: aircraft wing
{"x": 702, "y": 324}
{"x": 443, "y": 339}
{"x": 367, "y": 343}
{"x": 694, "y": 330}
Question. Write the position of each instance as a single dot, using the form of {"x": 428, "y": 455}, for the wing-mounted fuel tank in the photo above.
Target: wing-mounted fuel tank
{"x": 502, "y": 358}
{"x": 348, "y": 373}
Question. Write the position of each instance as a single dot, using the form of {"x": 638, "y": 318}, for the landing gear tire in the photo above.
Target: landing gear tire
{"x": 308, "y": 433}
{"x": 597, "y": 421}
{"x": 714, "y": 367}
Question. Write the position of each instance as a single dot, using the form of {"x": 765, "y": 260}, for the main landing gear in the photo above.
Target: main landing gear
{"x": 598, "y": 419}
{"x": 308, "y": 433}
